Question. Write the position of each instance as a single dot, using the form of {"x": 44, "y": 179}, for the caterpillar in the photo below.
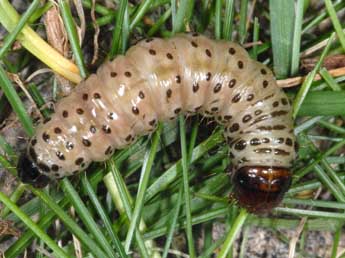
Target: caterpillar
{"x": 156, "y": 80}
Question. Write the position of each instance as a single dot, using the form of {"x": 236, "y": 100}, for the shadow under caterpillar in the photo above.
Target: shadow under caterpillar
{"x": 157, "y": 80}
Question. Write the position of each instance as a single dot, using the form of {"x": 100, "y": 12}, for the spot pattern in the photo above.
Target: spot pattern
{"x": 156, "y": 80}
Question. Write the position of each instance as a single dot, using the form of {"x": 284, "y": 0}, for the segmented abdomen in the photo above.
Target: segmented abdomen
{"x": 155, "y": 81}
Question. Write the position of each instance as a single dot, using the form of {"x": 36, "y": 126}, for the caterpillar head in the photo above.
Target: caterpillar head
{"x": 29, "y": 173}
{"x": 260, "y": 188}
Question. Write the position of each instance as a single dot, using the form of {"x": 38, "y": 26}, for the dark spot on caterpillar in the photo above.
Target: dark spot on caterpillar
{"x": 195, "y": 87}
{"x": 214, "y": 109}
{"x": 255, "y": 142}
{"x": 86, "y": 142}
{"x": 241, "y": 145}
{"x": 235, "y": 127}
{"x": 232, "y": 83}
{"x": 43, "y": 167}
{"x": 33, "y": 142}
{"x": 135, "y": 110}
{"x": 284, "y": 101}
{"x": 279, "y": 127}
{"x": 263, "y": 71}
{"x": 265, "y": 84}
{"x": 246, "y": 118}
{"x": 106, "y": 129}
{"x": 198, "y": 108}
{"x": 78, "y": 161}
{"x": 141, "y": 95}
{"x": 217, "y": 88}
{"x": 281, "y": 152}
{"x": 194, "y": 44}
{"x": 265, "y": 140}
{"x": 280, "y": 140}
{"x": 45, "y": 137}
{"x": 278, "y": 113}
{"x": 60, "y": 155}
{"x": 152, "y": 122}
{"x": 111, "y": 116}
{"x": 128, "y": 138}
{"x": 275, "y": 104}
{"x": 232, "y": 51}
{"x": 169, "y": 92}
{"x": 263, "y": 150}
{"x": 65, "y": 113}
{"x": 170, "y": 56}
{"x": 208, "y": 76}
{"x": 177, "y": 110}
{"x": 227, "y": 117}
{"x": 80, "y": 111}
{"x": 208, "y": 52}
{"x": 108, "y": 151}
{"x": 93, "y": 129}
{"x": 178, "y": 79}
{"x": 69, "y": 145}
{"x": 55, "y": 167}
{"x": 288, "y": 141}
{"x": 258, "y": 112}
{"x": 250, "y": 97}
{"x": 269, "y": 96}
{"x": 33, "y": 154}
{"x": 57, "y": 130}
{"x": 96, "y": 95}
{"x": 152, "y": 52}
{"x": 236, "y": 98}
{"x": 113, "y": 74}
{"x": 128, "y": 74}
{"x": 85, "y": 96}
{"x": 240, "y": 64}
{"x": 46, "y": 120}
{"x": 148, "y": 40}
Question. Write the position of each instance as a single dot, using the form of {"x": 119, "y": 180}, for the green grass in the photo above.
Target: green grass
{"x": 175, "y": 182}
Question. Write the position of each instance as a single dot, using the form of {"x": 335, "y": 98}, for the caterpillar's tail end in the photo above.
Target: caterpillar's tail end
{"x": 29, "y": 173}
{"x": 260, "y": 188}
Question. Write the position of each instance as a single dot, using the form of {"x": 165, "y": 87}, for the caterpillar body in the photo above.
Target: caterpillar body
{"x": 156, "y": 80}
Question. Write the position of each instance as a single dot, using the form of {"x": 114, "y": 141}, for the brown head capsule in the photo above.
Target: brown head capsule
{"x": 259, "y": 189}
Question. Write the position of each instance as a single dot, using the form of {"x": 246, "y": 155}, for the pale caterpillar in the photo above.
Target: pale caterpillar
{"x": 156, "y": 80}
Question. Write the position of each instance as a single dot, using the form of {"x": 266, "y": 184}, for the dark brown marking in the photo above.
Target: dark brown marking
{"x": 170, "y": 56}
{"x": 236, "y": 98}
{"x": 85, "y": 96}
{"x": 148, "y": 40}
{"x": 227, "y": 117}
{"x": 106, "y": 129}
{"x": 96, "y": 95}
{"x": 33, "y": 154}
{"x": 284, "y": 101}
{"x": 208, "y": 76}
{"x": 235, "y": 127}
{"x": 111, "y": 115}
{"x": 258, "y": 112}
{"x": 60, "y": 155}
{"x": 279, "y": 127}
{"x": 178, "y": 79}
{"x": 232, "y": 83}
{"x": 198, "y": 108}
{"x": 280, "y": 140}
{"x": 240, "y": 64}
{"x": 263, "y": 71}
{"x": 43, "y": 167}
{"x": 281, "y": 152}
{"x": 217, "y": 88}
{"x": 113, "y": 74}
{"x": 232, "y": 51}
{"x": 57, "y": 130}
{"x": 69, "y": 145}
{"x": 86, "y": 142}
{"x": 214, "y": 109}
{"x": 93, "y": 129}
{"x": 177, "y": 110}
{"x": 65, "y": 113}
{"x": 241, "y": 145}
{"x": 33, "y": 142}
{"x": 141, "y": 95}
{"x": 152, "y": 52}
{"x": 46, "y": 120}
{"x": 208, "y": 53}
{"x": 265, "y": 84}
{"x": 78, "y": 161}
{"x": 289, "y": 141}
{"x": 135, "y": 110}
{"x": 194, "y": 44}
{"x": 195, "y": 87}
{"x": 263, "y": 150}
{"x": 275, "y": 104}
{"x": 152, "y": 122}
{"x": 246, "y": 118}
{"x": 128, "y": 138}
{"x": 80, "y": 111}
{"x": 45, "y": 137}
{"x": 169, "y": 93}
{"x": 265, "y": 140}
{"x": 55, "y": 167}
{"x": 108, "y": 151}
{"x": 278, "y": 113}
{"x": 255, "y": 142}
{"x": 250, "y": 97}
{"x": 128, "y": 74}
